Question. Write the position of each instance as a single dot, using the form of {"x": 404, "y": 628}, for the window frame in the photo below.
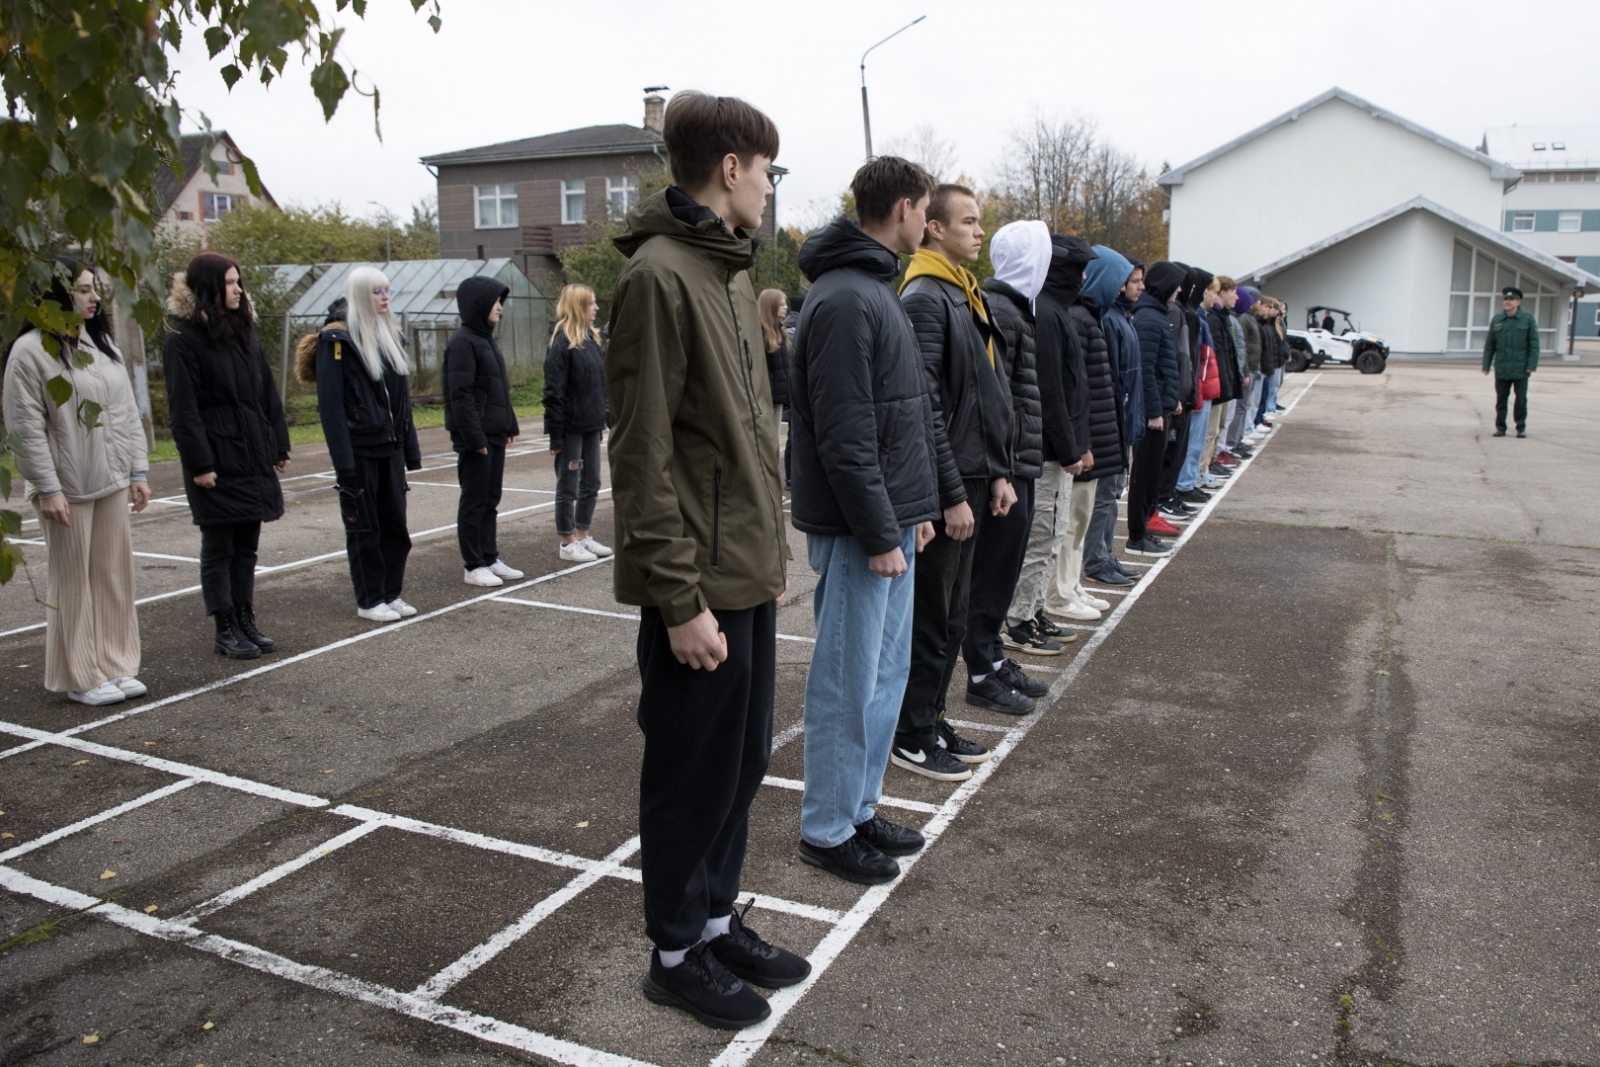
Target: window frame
{"x": 1519, "y": 217}
{"x": 1574, "y": 217}
{"x": 628, "y": 188}
{"x": 215, "y": 206}
{"x": 503, "y": 193}
{"x": 574, "y": 188}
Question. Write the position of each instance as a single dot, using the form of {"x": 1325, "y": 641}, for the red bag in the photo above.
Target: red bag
{"x": 1210, "y": 381}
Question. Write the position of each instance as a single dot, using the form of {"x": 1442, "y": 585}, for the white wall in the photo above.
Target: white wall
{"x": 1307, "y": 179}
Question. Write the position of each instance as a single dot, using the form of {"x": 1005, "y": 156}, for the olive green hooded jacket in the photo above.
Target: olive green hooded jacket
{"x": 1512, "y": 346}
{"x": 694, "y": 445}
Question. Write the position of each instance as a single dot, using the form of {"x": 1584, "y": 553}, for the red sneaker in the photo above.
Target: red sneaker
{"x": 1161, "y": 527}
{"x": 1227, "y": 459}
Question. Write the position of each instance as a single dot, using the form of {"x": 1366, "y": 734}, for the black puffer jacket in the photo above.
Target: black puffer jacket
{"x": 861, "y": 430}
{"x": 778, "y": 370}
{"x": 1272, "y": 347}
{"x": 1063, "y": 378}
{"x": 1014, "y": 319}
{"x": 1226, "y": 343}
{"x": 360, "y": 417}
{"x": 971, "y": 400}
{"x": 226, "y": 417}
{"x": 574, "y": 388}
{"x": 477, "y": 400}
{"x": 1157, "y": 355}
{"x": 1105, "y": 411}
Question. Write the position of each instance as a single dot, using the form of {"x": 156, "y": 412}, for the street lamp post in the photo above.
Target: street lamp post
{"x": 388, "y": 241}
{"x": 866, "y": 114}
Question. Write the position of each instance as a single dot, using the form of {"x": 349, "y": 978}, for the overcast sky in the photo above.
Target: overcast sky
{"x": 1167, "y": 81}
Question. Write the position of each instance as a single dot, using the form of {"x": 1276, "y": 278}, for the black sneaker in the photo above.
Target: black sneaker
{"x": 1132, "y": 576}
{"x": 1010, "y": 672}
{"x": 1109, "y": 577}
{"x": 1522, "y": 433}
{"x": 1499, "y": 431}
{"x": 1150, "y": 546}
{"x": 1221, "y": 470}
{"x": 1026, "y": 637}
{"x": 938, "y": 764}
{"x": 704, "y": 988}
{"x": 890, "y": 838}
{"x": 1195, "y": 496}
{"x": 1043, "y": 624}
{"x": 993, "y": 693}
{"x": 1174, "y": 508}
{"x": 742, "y": 951}
{"x": 856, "y": 860}
{"x": 966, "y": 751}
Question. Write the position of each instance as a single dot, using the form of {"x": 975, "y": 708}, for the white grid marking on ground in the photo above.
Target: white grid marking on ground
{"x": 94, "y": 820}
{"x": 798, "y": 786}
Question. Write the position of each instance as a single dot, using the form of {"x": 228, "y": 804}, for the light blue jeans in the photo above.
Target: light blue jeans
{"x": 1269, "y": 402}
{"x": 1190, "y": 474}
{"x": 854, "y": 687}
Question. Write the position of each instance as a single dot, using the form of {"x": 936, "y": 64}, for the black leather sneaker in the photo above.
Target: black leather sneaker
{"x": 1109, "y": 577}
{"x": 890, "y": 838}
{"x": 1010, "y": 672}
{"x": 704, "y": 988}
{"x": 938, "y": 764}
{"x": 1026, "y": 637}
{"x": 969, "y": 752}
{"x": 996, "y": 695}
{"x": 855, "y": 860}
{"x": 743, "y": 952}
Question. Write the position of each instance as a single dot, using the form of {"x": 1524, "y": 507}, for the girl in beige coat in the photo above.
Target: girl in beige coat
{"x": 84, "y": 462}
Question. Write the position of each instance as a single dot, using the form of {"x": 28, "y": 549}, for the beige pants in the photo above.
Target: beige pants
{"x": 91, "y": 625}
{"x": 1068, "y": 585}
{"x": 1213, "y": 427}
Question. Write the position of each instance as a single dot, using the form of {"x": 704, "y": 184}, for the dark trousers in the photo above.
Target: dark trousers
{"x": 375, "y": 537}
{"x": 576, "y": 490}
{"x": 1145, "y": 480}
{"x": 228, "y": 565}
{"x": 480, "y": 475}
{"x": 996, "y": 566}
{"x": 707, "y": 741}
{"x": 1502, "y": 392}
{"x": 943, "y": 583}
{"x": 1172, "y": 457}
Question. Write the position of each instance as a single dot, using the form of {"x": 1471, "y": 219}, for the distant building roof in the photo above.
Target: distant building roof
{"x": 423, "y": 290}
{"x": 1497, "y": 169}
{"x": 587, "y": 141}
{"x": 1544, "y": 147}
{"x": 191, "y": 151}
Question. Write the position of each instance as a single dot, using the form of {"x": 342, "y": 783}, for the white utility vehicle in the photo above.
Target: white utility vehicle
{"x": 1325, "y": 341}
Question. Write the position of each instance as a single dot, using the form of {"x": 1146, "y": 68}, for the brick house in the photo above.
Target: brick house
{"x": 529, "y": 199}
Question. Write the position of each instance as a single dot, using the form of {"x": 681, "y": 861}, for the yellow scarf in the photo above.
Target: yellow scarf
{"x": 931, "y": 263}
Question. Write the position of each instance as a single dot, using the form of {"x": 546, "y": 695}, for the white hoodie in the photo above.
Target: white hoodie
{"x": 1020, "y": 252}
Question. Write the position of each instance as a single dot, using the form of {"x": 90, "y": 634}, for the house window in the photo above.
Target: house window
{"x": 216, "y": 205}
{"x": 1569, "y": 222}
{"x": 574, "y": 197}
{"x": 1476, "y": 282}
{"x": 497, "y": 206}
{"x": 1522, "y": 222}
{"x": 622, "y": 195}
{"x": 185, "y": 216}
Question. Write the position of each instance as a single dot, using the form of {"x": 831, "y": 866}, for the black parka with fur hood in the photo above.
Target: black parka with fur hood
{"x": 360, "y": 416}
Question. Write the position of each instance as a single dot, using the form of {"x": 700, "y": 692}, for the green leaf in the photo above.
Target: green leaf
{"x": 329, "y": 83}
{"x": 60, "y": 389}
{"x": 10, "y": 521}
{"x": 89, "y": 414}
{"x": 252, "y": 176}
{"x": 217, "y": 38}
{"x": 433, "y": 20}
{"x": 10, "y": 557}
{"x": 5, "y": 484}
{"x": 231, "y": 75}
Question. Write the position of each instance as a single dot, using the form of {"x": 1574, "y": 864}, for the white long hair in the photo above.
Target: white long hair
{"x": 375, "y": 335}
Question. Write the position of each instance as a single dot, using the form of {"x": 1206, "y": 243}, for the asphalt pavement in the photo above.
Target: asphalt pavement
{"x": 1320, "y": 789}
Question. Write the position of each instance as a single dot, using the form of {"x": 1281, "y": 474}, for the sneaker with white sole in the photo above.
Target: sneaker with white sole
{"x": 1077, "y": 609}
{"x": 503, "y": 570}
{"x": 596, "y": 547}
{"x": 130, "y": 686}
{"x": 939, "y": 764}
{"x": 482, "y": 576}
{"x": 380, "y": 613}
{"x": 401, "y": 608}
{"x": 575, "y": 552}
{"x": 101, "y": 695}
{"x": 1086, "y": 597}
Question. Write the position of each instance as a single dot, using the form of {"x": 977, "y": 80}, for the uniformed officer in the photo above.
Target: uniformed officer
{"x": 1513, "y": 351}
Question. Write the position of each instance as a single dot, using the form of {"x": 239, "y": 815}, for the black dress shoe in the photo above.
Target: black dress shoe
{"x": 245, "y": 619}
{"x": 1010, "y": 672}
{"x": 890, "y": 838}
{"x": 996, "y": 695}
{"x": 230, "y": 642}
{"x": 854, "y": 860}
{"x": 743, "y": 952}
{"x": 704, "y": 988}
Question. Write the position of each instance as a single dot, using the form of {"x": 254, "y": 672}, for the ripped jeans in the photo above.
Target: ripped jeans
{"x": 578, "y": 487}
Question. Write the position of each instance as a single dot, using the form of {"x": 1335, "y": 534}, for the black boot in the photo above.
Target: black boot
{"x": 245, "y": 619}
{"x": 232, "y": 643}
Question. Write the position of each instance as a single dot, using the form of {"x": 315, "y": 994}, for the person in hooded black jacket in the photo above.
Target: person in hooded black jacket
{"x": 1163, "y": 399}
{"x": 1196, "y": 285}
{"x": 478, "y": 414}
{"x": 367, "y": 425}
{"x": 575, "y": 416}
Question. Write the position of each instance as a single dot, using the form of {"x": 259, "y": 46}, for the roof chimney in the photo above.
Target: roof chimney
{"x": 655, "y": 107}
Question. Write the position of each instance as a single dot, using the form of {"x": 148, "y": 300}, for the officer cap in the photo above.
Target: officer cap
{"x": 1511, "y": 292}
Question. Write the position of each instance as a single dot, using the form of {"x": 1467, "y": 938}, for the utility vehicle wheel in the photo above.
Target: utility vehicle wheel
{"x": 1298, "y": 361}
{"x": 1371, "y": 362}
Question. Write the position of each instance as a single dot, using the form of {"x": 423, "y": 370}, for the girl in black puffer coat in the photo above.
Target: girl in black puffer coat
{"x": 227, "y": 420}
{"x": 575, "y": 417}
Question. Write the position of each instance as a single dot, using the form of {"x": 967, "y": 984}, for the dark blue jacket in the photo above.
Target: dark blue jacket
{"x": 1158, "y": 354}
{"x": 1103, "y": 280}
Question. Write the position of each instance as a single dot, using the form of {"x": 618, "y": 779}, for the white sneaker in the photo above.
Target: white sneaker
{"x": 381, "y": 613}
{"x": 401, "y": 608}
{"x": 577, "y": 553}
{"x": 130, "y": 686}
{"x": 482, "y": 576}
{"x": 596, "y": 547}
{"x": 1075, "y": 610}
{"x": 1086, "y": 597}
{"x": 501, "y": 570}
{"x": 101, "y": 695}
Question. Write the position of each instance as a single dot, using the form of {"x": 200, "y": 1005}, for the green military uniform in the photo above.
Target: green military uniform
{"x": 1512, "y": 349}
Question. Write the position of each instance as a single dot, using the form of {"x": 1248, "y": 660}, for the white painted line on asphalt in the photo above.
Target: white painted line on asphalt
{"x": 968, "y": 724}
{"x": 615, "y": 614}
{"x": 503, "y": 488}
{"x": 796, "y": 785}
{"x": 460, "y": 1020}
{"x": 144, "y": 555}
{"x": 476, "y": 840}
{"x": 1102, "y": 589}
{"x": 278, "y": 873}
{"x": 94, "y": 820}
{"x": 747, "y": 1043}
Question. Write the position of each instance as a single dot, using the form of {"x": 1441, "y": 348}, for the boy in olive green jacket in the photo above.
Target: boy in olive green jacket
{"x": 1512, "y": 349}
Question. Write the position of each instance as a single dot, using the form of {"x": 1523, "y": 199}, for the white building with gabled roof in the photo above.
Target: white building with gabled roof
{"x": 1341, "y": 203}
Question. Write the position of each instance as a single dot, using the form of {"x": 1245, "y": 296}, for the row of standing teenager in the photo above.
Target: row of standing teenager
{"x": 86, "y": 466}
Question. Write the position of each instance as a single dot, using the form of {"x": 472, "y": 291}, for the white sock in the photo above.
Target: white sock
{"x": 672, "y": 958}
{"x": 997, "y": 664}
{"x": 976, "y": 678}
{"x": 715, "y": 928}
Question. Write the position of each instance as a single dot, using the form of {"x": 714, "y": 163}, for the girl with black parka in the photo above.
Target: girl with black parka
{"x": 575, "y": 418}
